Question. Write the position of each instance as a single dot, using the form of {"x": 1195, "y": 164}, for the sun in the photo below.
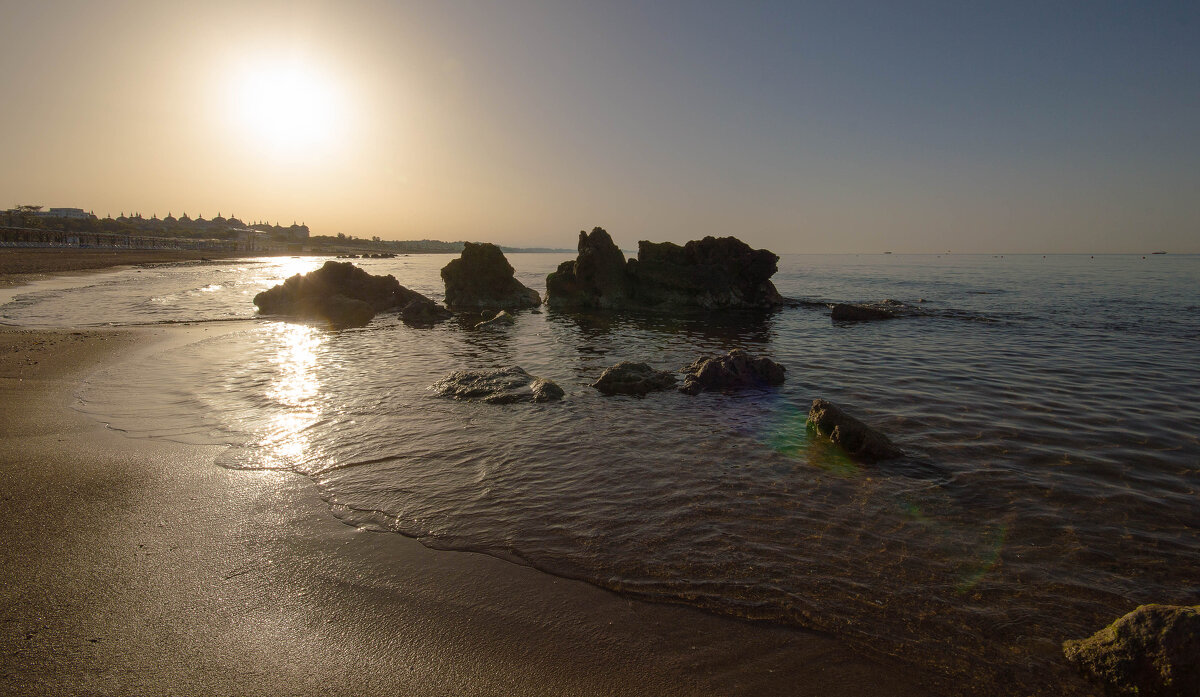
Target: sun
{"x": 286, "y": 106}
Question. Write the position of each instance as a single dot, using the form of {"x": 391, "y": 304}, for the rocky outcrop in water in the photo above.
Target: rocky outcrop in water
{"x": 339, "y": 293}
{"x": 709, "y": 274}
{"x": 339, "y": 311}
{"x": 483, "y": 278}
{"x": 1153, "y": 651}
{"x": 424, "y": 312}
{"x": 859, "y": 440}
{"x": 497, "y": 386}
{"x": 595, "y": 279}
{"x": 634, "y": 378}
{"x": 735, "y": 370}
{"x": 502, "y": 319}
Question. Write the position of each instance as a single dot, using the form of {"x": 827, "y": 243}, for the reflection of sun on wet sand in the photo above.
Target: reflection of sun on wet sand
{"x": 138, "y": 566}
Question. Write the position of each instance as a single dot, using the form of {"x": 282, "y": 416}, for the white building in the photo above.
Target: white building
{"x": 67, "y": 213}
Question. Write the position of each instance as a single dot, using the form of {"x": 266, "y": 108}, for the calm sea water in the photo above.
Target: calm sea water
{"x": 1049, "y": 407}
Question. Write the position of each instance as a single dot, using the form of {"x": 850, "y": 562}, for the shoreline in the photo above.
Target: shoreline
{"x": 138, "y": 565}
{"x": 22, "y": 265}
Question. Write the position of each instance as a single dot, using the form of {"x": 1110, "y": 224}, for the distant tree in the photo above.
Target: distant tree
{"x": 27, "y": 215}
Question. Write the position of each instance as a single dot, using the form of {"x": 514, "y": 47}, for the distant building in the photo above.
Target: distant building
{"x": 66, "y": 213}
{"x": 250, "y": 240}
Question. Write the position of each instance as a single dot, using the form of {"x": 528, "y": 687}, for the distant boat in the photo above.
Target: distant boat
{"x": 1158, "y": 252}
{"x": 887, "y": 252}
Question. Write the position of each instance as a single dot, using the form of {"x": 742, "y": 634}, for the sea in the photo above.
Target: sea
{"x": 1048, "y": 408}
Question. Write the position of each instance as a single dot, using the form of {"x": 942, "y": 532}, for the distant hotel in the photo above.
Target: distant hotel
{"x": 218, "y": 226}
{"x": 77, "y": 213}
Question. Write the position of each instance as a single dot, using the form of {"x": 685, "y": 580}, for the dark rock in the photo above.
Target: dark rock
{"x": 1153, "y": 651}
{"x": 316, "y": 295}
{"x": 734, "y": 371}
{"x": 498, "y": 386}
{"x": 502, "y": 318}
{"x": 424, "y": 311}
{"x": 339, "y": 311}
{"x": 483, "y": 278}
{"x": 712, "y": 273}
{"x": 634, "y": 378}
{"x": 859, "y": 313}
{"x": 596, "y": 279}
{"x": 859, "y": 440}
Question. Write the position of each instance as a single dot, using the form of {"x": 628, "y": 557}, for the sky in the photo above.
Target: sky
{"x": 840, "y": 127}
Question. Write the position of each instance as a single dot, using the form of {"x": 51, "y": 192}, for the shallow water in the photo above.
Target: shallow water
{"x": 1048, "y": 408}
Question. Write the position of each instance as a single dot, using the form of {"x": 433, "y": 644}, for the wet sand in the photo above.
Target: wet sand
{"x": 19, "y": 265}
{"x": 140, "y": 567}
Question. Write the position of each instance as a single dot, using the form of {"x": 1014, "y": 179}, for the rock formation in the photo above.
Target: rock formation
{"x": 596, "y": 279}
{"x": 483, "y": 278}
{"x": 710, "y": 274}
{"x": 338, "y": 292}
{"x": 859, "y": 440}
{"x": 634, "y": 378}
{"x": 424, "y": 312}
{"x": 497, "y": 386}
{"x": 1153, "y": 651}
{"x": 734, "y": 371}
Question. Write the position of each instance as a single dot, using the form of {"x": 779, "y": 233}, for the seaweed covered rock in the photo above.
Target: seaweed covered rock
{"x": 338, "y": 292}
{"x": 735, "y": 370}
{"x": 710, "y": 274}
{"x": 497, "y": 386}
{"x": 483, "y": 278}
{"x": 1153, "y": 651}
{"x": 634, "y": 378}
{"x": 858, "y": 439}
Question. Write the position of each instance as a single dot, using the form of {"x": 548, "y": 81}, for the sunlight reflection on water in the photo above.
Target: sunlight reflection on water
{"x": 1026, "y": 510}
{"x": 294, "y": 388}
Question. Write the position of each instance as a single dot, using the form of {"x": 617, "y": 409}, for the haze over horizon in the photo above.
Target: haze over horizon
{"x": 799, "y": 127}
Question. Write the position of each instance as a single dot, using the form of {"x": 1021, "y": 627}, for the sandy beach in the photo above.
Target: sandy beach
{"x": 19, "y": 265}
{"x": 141, "y": 567}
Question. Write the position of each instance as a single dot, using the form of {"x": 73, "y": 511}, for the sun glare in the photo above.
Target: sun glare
{"x": 286, "y": 107}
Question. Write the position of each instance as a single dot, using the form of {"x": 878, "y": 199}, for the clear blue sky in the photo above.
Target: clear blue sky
{"x": 825, "y": 127}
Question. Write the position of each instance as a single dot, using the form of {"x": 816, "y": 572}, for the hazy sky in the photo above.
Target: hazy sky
{"x": 801, "y": 127}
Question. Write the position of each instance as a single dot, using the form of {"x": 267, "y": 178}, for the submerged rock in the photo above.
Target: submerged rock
{"x": 483, "y": 278}
{"x": 734, "y": 371}
{"x": 1153, "y": 651}
{"x": 502, "y": 318}
{"x": 634, "y": 378}
{"x": 338, "y": 292}
{"x": 497, "y": 386}
{"x": 858, "y": 439}
{"x": 424, "y": 311}
{"x": 712, "y": 273}
{"x": 880, "y": 310}
{"x": 843, "y": 312}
